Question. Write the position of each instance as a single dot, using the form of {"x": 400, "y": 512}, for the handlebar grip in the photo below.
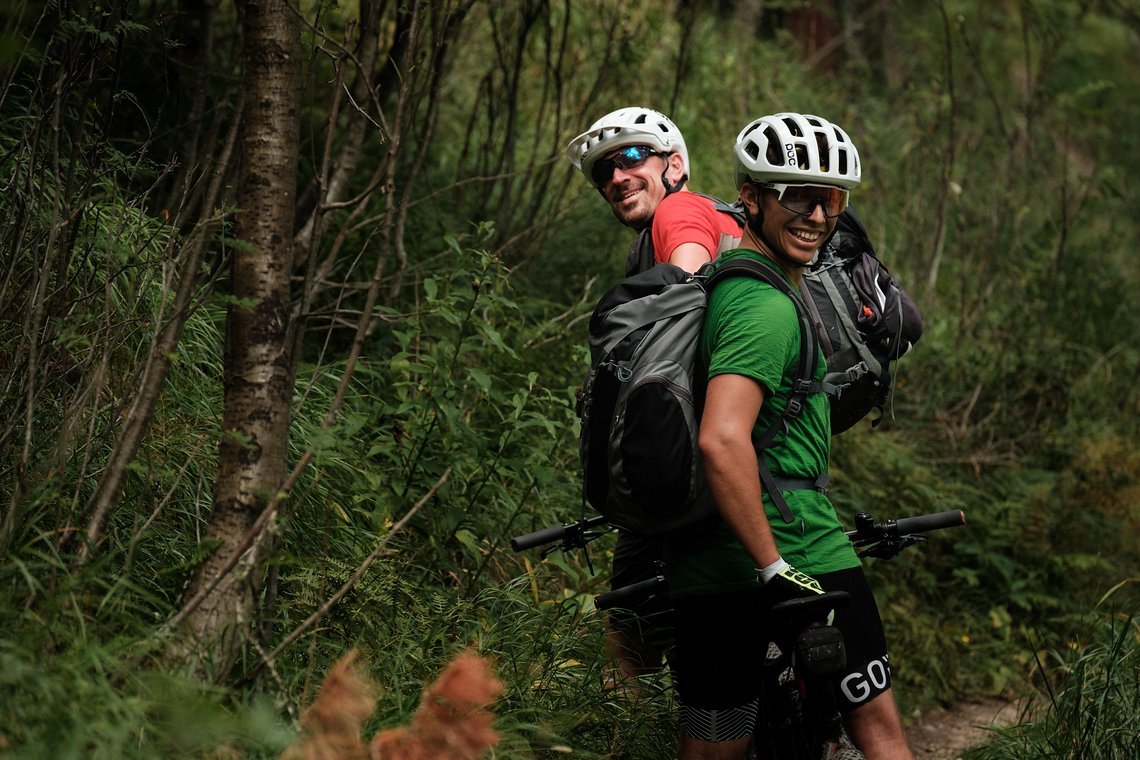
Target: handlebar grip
{"x": 626, "y": 594}
{"x": 556, "y": 533}
{"x": 922, "y": 523}
{"x": 538, "y": 538}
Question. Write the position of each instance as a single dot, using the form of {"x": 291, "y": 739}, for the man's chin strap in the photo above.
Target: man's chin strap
{"x": 756, "y": 225}
{"x": 669, "y": 187}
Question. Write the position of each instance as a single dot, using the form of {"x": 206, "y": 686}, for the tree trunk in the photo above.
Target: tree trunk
{"x": 258, "y": 374}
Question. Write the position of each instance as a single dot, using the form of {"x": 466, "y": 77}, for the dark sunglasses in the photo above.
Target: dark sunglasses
{"x": 625, "y": 159}
{"x": 802, "y": 199}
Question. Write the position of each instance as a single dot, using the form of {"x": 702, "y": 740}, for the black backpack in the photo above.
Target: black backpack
{"x": 641, "y": 400}
{"x": 863, "y": 318}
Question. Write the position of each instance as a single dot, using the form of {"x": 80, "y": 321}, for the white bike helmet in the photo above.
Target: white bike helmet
{"x": 626, "y": 126}
{"x": 793, "y": 147}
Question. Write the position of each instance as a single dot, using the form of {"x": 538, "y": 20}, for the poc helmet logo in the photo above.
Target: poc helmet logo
{"x": 790, "y": 150}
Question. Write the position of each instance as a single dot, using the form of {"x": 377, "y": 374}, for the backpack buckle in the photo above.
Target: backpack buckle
{"x": 623, "y": 373}
{"x": 856, "y": 372}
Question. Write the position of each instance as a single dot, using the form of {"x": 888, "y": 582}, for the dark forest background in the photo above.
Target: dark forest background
{"x": 293, "y": 303}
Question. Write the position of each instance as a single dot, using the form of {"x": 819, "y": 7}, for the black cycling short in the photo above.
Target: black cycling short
{"x": 721, "y": 644}
{"x": 638, "y": 558}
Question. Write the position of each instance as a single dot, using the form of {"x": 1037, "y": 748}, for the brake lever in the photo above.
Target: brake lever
{"x": 577, "y": 537}
{"x": 890, "y": 546}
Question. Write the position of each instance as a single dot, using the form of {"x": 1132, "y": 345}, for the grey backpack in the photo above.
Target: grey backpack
{"x": 641, "y": 401}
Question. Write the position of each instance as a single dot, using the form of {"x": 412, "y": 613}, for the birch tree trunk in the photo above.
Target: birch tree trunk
{"x": 259, "y": 378}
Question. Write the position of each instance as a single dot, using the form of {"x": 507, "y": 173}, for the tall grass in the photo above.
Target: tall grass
{"x": 1087, "y": 703}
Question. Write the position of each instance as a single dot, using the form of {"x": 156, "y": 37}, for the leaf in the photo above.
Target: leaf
{"x": 481, "y": 378}
{"x": 469, "y": 542}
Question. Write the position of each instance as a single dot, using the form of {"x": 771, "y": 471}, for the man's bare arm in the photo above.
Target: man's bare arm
{"x": 690, "y": 256}
{"x": 731, "y": 406}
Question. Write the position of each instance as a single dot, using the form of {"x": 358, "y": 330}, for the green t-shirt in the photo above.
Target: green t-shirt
{"x": 751, "y": 329}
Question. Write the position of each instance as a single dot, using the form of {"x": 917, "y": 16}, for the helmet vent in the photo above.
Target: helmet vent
{"x": 793, "y": 127}
{"x": 774, "y": 155}
{"x": 821, "y": 143}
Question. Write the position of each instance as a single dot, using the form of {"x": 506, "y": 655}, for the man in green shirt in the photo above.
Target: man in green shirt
{"x": 794, "y": 172}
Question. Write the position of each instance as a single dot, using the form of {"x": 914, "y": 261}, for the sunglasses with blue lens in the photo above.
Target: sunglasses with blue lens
{"x": 625, "y": 158}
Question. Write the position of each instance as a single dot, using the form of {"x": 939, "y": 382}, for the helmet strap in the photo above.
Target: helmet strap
{"x": 670, "y": 188}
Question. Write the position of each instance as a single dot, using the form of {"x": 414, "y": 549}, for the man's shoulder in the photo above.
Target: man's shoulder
{"x": 747, "y": 293}
{"x": 688, "y": 208}
{"x": 686, "y": 201}
{"x": 741, "y": 254}
{"x": 748, "y": 296}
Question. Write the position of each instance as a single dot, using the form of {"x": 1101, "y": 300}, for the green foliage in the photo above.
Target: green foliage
{"x": 73, "y": 703}
{"x": 997, "y": 186}
{"x": 69, "y": 686}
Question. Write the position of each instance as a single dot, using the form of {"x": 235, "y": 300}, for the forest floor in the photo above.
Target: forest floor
{"x": 943, "y": 734}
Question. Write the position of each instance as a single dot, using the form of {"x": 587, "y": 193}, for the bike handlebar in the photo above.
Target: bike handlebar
{"x": 555, "y": 533}
{"x": 633, "y": 592}
{"x": 891, "y": 535}
{"x": 868, "y": 531}
{"x": 951, "y": 518}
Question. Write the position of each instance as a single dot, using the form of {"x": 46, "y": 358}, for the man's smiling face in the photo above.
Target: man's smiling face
{"x": 634, "y": 193}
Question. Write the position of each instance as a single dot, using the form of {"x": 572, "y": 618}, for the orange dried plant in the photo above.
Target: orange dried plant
{"x": 332, "y": 725}
{"x": 452, "y": 721}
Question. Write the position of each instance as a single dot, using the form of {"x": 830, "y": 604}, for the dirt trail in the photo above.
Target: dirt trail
{"x": 944, "y": 734}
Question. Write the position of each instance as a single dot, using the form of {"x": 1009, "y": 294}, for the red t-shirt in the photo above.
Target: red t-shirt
{"x": 686, "y": 217}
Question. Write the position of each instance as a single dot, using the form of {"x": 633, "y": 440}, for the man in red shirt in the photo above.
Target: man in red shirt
{"x": 638, "y": 161}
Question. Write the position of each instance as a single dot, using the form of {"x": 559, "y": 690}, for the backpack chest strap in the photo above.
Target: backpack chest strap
{"x": 802, "y": 484}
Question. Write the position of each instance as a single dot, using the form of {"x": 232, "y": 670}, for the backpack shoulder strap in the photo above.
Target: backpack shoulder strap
{"x": 735, "y": 210}
{"x": 832, "y": 277}
{"x": 809, "y": 345}
{"x": 639, "y": 258}
{"x": 802, "y": 385}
